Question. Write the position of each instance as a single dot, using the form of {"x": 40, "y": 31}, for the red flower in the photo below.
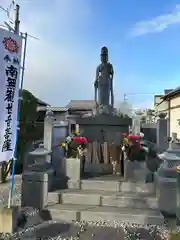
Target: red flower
{"x": 80, "y": 140}
{"x": 133, "y": 137}
{"x": 124, "y": 134}
{"x": 134, "y": 140}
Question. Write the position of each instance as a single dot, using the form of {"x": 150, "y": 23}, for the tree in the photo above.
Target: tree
{"x": 124, "y": 109}
{"x": 29, "y": 129}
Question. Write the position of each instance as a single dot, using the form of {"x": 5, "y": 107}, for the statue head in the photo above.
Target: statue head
{"x": 104, "y": 55}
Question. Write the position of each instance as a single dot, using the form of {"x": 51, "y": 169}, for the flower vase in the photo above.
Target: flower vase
{"x": 73, "y": 171}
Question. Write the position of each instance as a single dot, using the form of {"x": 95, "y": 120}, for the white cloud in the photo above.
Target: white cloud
{"x": 60, "y": 66}
{"x": 157, "y": 24}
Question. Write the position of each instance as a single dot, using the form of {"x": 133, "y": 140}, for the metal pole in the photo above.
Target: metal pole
{"x": 19, "y": 108}
{"x": 17, "y": 21}
{"x": 16, "y": 31}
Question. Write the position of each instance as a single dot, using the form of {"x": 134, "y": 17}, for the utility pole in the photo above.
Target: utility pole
{"x": 17, "y": 20}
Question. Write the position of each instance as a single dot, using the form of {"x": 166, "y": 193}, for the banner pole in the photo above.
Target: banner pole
{"x": 18, "y": 118}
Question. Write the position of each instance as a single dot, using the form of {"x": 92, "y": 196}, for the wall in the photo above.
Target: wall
{"x": 60, "y": 116}
{"x": 175, "y": 115}
{"x": 160, "y": 106}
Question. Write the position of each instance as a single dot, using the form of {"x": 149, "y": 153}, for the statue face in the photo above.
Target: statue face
{"x": 104, "y": 58}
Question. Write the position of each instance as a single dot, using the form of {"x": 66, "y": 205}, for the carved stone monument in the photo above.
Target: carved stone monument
{"x": 104, "y": 85}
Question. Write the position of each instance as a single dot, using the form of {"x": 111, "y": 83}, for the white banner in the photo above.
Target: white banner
{"x": 10, "y": 61}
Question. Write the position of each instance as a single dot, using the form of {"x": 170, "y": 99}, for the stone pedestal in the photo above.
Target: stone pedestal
{"x": 104, "y": 128}
{"x": 134, "y": 171}
{"x": 34, "y": 190}
{"x": 73, "y": 172}
{"x": 8, "y": 220}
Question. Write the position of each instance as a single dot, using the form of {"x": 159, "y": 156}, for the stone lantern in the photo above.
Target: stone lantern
{"x": 162, "y": 115}
{"x": 39, "y": 155}
{"x": 167, "y": 181}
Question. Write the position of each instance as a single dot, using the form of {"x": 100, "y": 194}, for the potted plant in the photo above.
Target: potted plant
{"x": 134, "y": 155}
{"x": 74, "y": 148}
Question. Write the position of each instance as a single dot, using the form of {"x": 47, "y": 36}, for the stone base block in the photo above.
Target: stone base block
{"x": 8, "y": 219}
{"x": 99, "y": 168}
{"x": 73, "y": 168}
{"x": 34, "y": 190}
{"x": 74, "y": 184}
{"x": 135, "y": 171}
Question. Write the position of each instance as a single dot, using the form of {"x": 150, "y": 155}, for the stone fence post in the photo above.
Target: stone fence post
{"x": 48, "y": 128}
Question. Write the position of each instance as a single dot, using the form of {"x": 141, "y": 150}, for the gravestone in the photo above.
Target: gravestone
{"x": 162, "y": 133}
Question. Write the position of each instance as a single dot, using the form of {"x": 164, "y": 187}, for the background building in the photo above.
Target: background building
{"x": 169, "y": 103}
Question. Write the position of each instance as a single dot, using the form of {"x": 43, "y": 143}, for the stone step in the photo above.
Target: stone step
{"x": 116, "y": 186}
{"x": 103, "y": 198}
{"x": 70, "y": 212}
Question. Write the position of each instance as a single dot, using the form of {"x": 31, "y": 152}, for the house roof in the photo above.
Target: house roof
{"x": 81, "y": 104}
{"x": 171, "y": 93}
{"x": 54, "y": 109}
{"x": 41, "y": 103}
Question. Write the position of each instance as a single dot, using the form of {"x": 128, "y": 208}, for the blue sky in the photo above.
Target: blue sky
{"x": 142, "y": 37}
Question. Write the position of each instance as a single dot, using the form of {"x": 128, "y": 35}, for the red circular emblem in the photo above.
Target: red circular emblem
{"x": 11, "y": 45}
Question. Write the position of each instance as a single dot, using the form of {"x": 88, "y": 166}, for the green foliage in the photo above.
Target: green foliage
{"x": 29, "y": 130}
{"x": 174, "y": 236}
{"x": 121, "y": 115}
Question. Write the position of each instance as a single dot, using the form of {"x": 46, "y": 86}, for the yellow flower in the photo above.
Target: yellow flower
{"x": 62, "y": 145}
{"x": 76, "y": 133}
{"x": 126, "y": 140}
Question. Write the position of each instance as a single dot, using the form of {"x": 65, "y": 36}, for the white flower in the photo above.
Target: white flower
{"x": 123, "y": 148}
{"x": 68, "y": 139}
{"x": 146, "y": 149}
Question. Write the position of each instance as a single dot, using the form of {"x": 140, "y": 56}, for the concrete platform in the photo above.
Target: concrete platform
{"x": 103, "y": 198}
{"x": 71, "y": 212}
{"x": 117, "y": 186}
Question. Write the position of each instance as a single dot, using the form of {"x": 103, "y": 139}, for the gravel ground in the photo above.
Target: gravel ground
{"x": 94, "y": 231}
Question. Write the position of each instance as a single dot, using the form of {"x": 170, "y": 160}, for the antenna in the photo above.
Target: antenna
{"x": 8, "y": 26}
{"x": 31, "y": 36}
{"x": 11, "y": 21}
{"x": 3, "y": 9}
